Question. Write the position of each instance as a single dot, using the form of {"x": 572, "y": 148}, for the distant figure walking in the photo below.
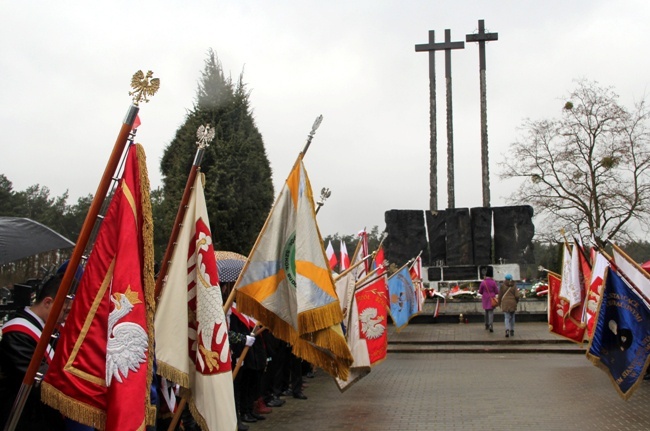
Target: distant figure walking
{"x": 488, "y": 290}
{"x": 508, "y": 299}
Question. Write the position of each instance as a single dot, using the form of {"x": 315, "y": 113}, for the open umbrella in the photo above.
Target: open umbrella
{"x": 230, "y": 265}
{"x": 22, "y": 237}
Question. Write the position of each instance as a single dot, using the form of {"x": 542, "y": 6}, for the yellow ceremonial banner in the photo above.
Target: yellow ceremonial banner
{"x": 287, "y": 285}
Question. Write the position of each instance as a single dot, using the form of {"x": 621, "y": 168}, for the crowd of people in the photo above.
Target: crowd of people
{"x": 269, "y": 372}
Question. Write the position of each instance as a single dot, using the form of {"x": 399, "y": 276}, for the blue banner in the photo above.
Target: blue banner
{"x": 621, "y": 340}
{"x": 403, "y": 303}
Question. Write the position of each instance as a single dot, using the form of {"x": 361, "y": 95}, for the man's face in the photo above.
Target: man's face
{"x": 49, "y": 302}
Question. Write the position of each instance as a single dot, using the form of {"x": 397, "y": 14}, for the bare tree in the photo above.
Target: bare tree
{"x": 587, "y": 171}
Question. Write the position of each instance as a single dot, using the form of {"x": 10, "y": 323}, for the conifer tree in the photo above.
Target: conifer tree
{"x": 239, "y": 189}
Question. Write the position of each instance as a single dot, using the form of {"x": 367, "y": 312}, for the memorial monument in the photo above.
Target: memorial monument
{"x": 459, "y": 243}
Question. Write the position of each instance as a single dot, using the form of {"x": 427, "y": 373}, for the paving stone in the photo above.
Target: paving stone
{"x": 468, "y": 391}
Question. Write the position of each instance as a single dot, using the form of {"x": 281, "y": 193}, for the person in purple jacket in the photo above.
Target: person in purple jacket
{"x": 488, "y": 290}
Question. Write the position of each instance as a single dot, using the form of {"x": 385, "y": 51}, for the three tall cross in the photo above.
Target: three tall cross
{"x": 448, "y": 45}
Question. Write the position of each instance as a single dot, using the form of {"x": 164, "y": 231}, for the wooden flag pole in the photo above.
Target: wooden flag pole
{"x": 356, "y": 249}
{"x": 314, "y": 127}
{"x": 347, "y": 271}
{"x": 257, "y": 330}
{"x": 381, "y": 265}
{"x": 142, "y": 89}
{"x": 177, "y": 414}
{"x": 205, "y": 135}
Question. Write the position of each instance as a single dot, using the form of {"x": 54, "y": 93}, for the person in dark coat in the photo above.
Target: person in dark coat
{"x": 20, "y": 335}
{"x": 249, "y": 378}
{"x": 508, "y": 299}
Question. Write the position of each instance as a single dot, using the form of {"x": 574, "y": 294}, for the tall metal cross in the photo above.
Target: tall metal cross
{"x": 432, "y": 47}
{"x": 481, "y": 37}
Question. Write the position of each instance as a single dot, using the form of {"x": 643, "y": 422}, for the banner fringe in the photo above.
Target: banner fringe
{"x": 278, "y": 327}
{"x": 200, "y": 420}
{"x": 174, "y": 374}
{"x": 334, "y": 357}
{"x": 148, "y": 281}
{"x": 73, "y": 409}
{"x": 320, "y": 318}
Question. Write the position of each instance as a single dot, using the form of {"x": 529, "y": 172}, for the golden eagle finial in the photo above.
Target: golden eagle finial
{"x": 143, "y": 86}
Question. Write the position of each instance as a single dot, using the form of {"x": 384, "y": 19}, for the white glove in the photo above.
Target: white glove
{"x": 250, "y": 340}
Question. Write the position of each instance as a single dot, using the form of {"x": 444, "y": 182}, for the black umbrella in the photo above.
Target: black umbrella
{"x": 22, "y": 237}
{"x": 230, "y": 265}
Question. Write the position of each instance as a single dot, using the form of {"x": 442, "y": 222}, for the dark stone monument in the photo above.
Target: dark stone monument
{"x": 460, "y": 241}
{"x": 460, "y": 272}
{"x": 513, "y": 234}
{"x": 406, "y": 236}
{"x": 482, "y": 235}
{"x": 437, "y": 238}
{"x": 460, "y": 247}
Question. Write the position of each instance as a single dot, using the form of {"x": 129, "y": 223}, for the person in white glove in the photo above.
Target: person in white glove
{"x": 250, "y": 340}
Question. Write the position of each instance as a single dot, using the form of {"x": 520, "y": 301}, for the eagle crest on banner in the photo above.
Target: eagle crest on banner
{"x": 371, "y": 325}
{"x": 205, "y": 300}
{"x": 127, "y": 342}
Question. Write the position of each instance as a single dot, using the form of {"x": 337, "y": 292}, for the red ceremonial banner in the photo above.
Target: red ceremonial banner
{"x": 558, "y": 313}
{"x": 101, "y": 371}
{"x": 372, "y": 304}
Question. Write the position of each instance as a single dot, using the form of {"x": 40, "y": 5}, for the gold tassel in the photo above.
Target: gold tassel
{"x": 73, "y": 409}
{"x": 148, "y": 281}
{"x": 278, "y": 327}
{"x": 175, "y": 375}
{"x": 326, "y": 349}
{"x": 333, "y": 366}
{"x": 320, "y": 318}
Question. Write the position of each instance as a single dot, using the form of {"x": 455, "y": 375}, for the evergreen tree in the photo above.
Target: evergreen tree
{"x": 7, "y": 196}
{"x": 239, "y": 188}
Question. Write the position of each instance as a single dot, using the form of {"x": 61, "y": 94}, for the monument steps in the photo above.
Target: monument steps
{"x": 530, "y": 337}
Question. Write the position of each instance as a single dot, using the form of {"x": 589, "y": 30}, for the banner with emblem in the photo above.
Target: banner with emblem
{"x": 372, "y": 308}
{"x": 621, "y": 341}
{"x": 367, "y": 334}
{"x": 287, "y": 285}
{"x": 558, "y": 311}
{"x": 403, "y": 299}
{"x": 192, "y": 346}
{"x": 101, "y": 371}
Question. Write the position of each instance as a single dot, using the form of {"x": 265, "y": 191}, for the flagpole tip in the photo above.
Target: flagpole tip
{"x": 144, "y": 86}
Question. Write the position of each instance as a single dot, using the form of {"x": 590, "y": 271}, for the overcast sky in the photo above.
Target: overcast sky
{"x": 65, "y": 70}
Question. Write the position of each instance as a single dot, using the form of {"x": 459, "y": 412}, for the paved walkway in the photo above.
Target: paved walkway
{"x": 468, "y": 391}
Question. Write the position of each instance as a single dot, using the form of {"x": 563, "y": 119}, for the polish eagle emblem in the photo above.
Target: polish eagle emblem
{"x": 144, "y": 86}
{"x": 211, "y": 330}
{"x": 371, "y": 325}
{"x": 127, "y": 341}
